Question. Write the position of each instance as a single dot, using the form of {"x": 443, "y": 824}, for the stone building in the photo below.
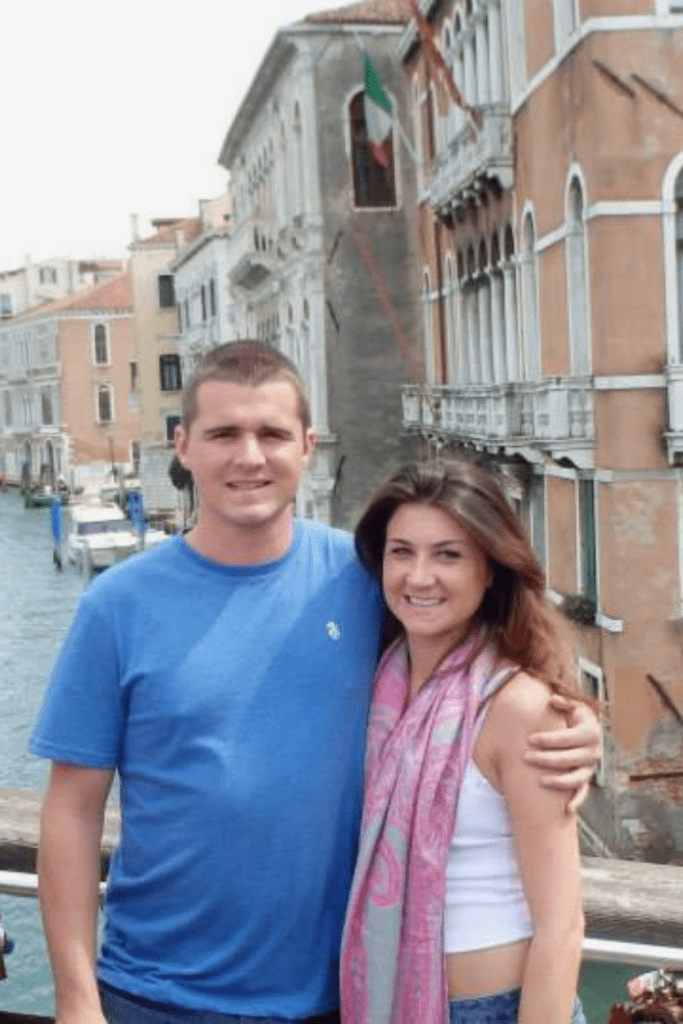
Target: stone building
{"x": 66, "y": 388}
{"x": 320, "y": 257}
{"x": 200, "y": 273}
{"x": 157, "y": 367}
{"x": 551, "y": 258}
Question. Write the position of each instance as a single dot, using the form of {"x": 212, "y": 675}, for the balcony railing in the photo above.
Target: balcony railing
{"x": 674, "y": 435}
{"x": 470, "y": 155}
{"x": 556, "y": 413}
{"x": 252, "y": 252}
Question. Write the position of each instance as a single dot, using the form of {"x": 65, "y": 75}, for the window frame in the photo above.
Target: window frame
{"x": 587, "y": 539}
{"x": 166, "y": 291}
{"x": 105, "y": 340}
{"x": 100, "y": 390}
{"x": 170, "y": 373}
{"x": 171, "y": 421}
{"x": 366, "y": 191}
{"x": 593, "y": 678}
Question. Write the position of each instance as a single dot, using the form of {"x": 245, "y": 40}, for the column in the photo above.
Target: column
{"x": 498, "y": 327}
{"x": 484, "y": 304}
{"x": 465, "y": 363}
{"x": 456, "y": 352}
{"x": 496, "y": 52}
{"x": 474, "y": 337}
{"x": 482, "y": 62}
{"x": 470, "y": 70}
{"x": 459, "y": 75}
{"x": 511, "y": 334}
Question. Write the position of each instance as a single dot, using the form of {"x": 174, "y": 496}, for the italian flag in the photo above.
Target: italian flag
{"x": 379, "y": 117}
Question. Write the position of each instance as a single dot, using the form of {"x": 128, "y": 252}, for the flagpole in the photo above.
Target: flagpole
{"x": 404, "y": 138}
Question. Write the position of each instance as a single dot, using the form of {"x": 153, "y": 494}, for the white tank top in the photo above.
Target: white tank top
{"x": 485, "y": 904}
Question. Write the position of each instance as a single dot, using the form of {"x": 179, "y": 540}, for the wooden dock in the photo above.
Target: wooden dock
{"x": 624, "y": 900}
{"x": 19, "y": 813}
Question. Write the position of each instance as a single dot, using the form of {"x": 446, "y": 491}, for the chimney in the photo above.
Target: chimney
{"x": 134, "y": 230}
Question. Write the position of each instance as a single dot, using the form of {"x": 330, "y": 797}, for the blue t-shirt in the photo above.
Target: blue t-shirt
{"x": 233, "y": 702}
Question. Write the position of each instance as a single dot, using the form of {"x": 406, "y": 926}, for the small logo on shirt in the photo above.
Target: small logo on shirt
{"x": 333, "y": 630}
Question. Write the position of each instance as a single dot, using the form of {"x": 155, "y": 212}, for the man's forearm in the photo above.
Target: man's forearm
{"x": 68, "y": 873}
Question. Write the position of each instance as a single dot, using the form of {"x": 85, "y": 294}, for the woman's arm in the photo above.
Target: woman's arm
{"x": 547, "y": 850}
{"x": 570, "y": 755}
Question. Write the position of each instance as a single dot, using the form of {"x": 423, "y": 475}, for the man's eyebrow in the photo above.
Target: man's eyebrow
{"x": 222, "y": 428}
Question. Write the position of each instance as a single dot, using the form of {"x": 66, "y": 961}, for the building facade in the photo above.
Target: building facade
{"x": 37, "y": 283}
{"x": 156, "y": 369}
{"x": 66, "y": 407}
{"x": 201, "y": 282}
{"x": 319, "y": 258}
{"x": 550, "y": 221}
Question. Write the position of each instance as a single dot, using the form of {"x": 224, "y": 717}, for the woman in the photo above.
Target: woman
{"x": 481, "y": 907}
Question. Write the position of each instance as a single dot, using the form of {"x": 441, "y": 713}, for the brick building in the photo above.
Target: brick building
{"x": 551, "y": 251}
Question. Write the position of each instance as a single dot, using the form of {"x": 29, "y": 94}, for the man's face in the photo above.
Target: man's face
{"x": 247, "y": 450}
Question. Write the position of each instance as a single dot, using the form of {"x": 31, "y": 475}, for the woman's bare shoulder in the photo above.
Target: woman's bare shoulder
{"x": 524, "y": 703}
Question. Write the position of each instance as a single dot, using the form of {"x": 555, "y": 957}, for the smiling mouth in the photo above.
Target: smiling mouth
{"x": 253, "y": 485}
{"x": 424, "y": 602}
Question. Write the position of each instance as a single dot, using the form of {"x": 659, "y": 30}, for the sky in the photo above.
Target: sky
{"x": 119, "y": 108}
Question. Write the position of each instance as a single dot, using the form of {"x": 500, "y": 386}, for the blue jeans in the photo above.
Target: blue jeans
{"x": 122, "y": 1009}
{"x": 498, "y": 1009}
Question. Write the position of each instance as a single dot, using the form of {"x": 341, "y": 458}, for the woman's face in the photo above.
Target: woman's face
{"x": 434, "y": 576}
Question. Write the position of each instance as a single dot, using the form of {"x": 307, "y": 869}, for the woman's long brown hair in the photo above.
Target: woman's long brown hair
{"x": 515, "y": 613}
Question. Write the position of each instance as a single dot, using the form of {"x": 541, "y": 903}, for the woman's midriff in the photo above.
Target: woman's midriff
{"x": 485, "y": 972}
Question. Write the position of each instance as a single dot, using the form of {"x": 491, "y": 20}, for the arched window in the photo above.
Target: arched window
{"x": 373, "y": 171}
{"x": 100, "y": 345}
{"x": 105, "y": 404}
{"x": 428, "y": 321}
{"x": 531, "y": 366}
{"x": 577, "y": 283}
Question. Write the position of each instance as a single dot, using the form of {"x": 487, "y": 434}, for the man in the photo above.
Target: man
{"x": 225, "y": 676}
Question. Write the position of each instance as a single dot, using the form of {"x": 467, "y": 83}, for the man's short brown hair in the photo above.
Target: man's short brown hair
{"x": 247, "y": 362}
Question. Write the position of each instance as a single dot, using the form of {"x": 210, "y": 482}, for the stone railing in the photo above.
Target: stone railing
{"x": 674, "y": 435}
{"x": 488, "y": 152}
{"x": 251, "y": 250}
{"x": 546, "y": 412}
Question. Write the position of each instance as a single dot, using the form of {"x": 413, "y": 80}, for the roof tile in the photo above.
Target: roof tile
{"x": 385, "y": 12}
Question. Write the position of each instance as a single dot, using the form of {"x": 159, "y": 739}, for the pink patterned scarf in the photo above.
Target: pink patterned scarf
{"x": 392, "y": 959}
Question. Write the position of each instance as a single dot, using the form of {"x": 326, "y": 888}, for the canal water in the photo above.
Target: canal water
{"x": 37, "y": 603}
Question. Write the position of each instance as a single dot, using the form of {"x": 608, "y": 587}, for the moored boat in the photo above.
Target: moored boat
{"x": 99, "y": 535}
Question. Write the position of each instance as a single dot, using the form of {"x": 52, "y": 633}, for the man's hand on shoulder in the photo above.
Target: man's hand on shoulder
{"x": 570, "y": 755}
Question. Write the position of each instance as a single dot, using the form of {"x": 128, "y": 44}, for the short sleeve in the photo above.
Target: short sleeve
{"x": 81, "y": 718}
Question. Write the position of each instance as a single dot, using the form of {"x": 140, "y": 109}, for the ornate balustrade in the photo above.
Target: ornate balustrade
{"x": 252, "y": 252}
{"x": 556, "y": 413}
{"x": 674, "y": 435}
{"x": 470, "y": 155}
